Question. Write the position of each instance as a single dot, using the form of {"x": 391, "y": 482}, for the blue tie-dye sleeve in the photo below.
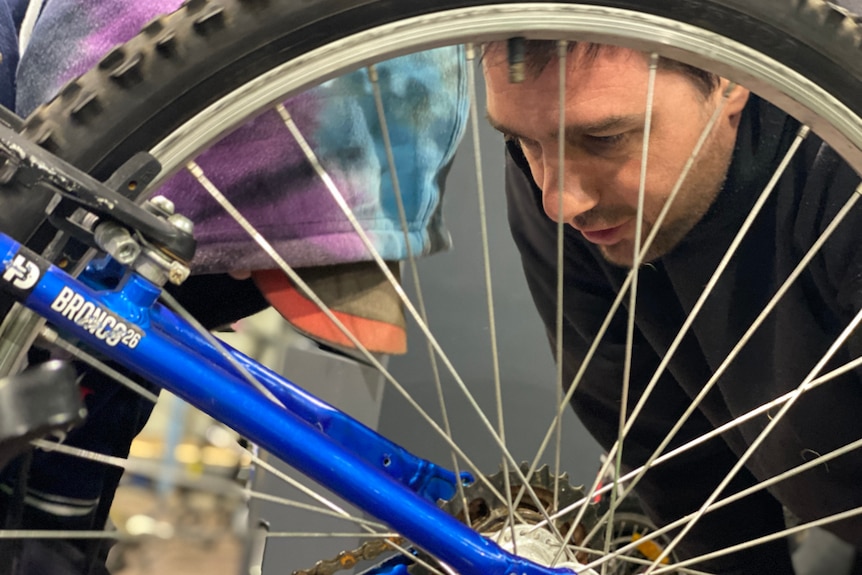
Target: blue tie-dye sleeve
{"x": 262, "y": 170}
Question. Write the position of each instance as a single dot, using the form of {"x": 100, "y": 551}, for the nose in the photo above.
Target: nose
{"x": 565, "y": 200}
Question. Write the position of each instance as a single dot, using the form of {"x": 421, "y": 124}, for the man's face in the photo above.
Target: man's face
{"x": 605, "y": 111}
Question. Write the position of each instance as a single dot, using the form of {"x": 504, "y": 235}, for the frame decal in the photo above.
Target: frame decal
{"x": 96, "y": 319}
{"x": 23, "y": 273}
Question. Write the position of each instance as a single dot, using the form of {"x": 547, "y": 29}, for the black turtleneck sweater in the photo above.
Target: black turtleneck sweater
{"x": 776, "y": 360}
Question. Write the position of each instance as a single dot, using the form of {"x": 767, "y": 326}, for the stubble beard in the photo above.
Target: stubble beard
{"x": 698, "y": 192}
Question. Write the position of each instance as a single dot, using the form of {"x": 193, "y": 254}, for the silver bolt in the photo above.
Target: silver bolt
{"x": 127, "y": 253}
{"x": 118, "y": 242}
{"x": 163, "y": 204}
{"x": 181, "y": 222}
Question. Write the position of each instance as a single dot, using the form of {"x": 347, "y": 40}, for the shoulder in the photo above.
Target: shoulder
{"x": 819, "y": 188}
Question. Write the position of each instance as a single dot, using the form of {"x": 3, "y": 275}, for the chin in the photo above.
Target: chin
{"x": 620, "y": 254}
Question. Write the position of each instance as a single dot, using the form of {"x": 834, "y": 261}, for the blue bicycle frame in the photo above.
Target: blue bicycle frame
{"x": 129, "y": 326}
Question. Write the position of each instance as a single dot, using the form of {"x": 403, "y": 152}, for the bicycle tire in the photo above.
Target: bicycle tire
{"x": 180, "y": 63}
{"x": 145, "y": 90}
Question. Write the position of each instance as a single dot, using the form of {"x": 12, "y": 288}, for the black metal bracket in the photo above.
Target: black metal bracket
{"x": 11, "y": 119}
{"x": 27, "y": 164}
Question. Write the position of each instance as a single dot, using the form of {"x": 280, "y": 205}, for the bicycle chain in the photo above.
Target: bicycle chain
{"x": 349, "y": 558}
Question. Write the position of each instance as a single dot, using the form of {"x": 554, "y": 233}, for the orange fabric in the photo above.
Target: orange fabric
{"x": 302, "y": 313}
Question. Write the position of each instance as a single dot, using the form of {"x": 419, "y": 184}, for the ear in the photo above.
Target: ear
{"x": 736, "y": 100}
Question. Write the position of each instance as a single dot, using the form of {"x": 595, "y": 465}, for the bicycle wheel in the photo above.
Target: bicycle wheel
{"x": 189, "y": 78}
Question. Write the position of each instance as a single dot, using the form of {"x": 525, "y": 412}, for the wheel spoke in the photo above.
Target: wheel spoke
{"x": 634, "y": 560}
{"x": 345, "y": 208}
{"x": 298, "y": 281}
{"x": 287, "y": 479}
{"x": 773, "y": 422}
{"x": 767, "y": 191}
{"x": 763, "y": 409}
{"x": 414, "y": 271}
{"x": 64, "y": 534}
{"x": 51, "y": 337}
{"x": 741, "y": 234}
{"x": 489, "y": 289}
{"x": 561, "y": 408}
{"x": 757, "y": 322}
{"x": 711, "y": 284}
{"x": 284, "y": 501}
{"x": 760, "y": 66}
{"x": 212, "y": 484}
{"x": 633, "y": 292}
{"x": 562, "y": 57}
{"x": 849, "y": 514}
{"x": 817, "y": 461}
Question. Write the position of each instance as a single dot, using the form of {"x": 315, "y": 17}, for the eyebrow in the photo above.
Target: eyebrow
{"x": 610, "y": 123}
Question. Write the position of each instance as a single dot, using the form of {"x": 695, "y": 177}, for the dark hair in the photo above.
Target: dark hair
{"x": 537, "y": 54}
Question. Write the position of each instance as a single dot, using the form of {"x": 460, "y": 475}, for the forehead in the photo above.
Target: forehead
{"x": 612, "y": 81}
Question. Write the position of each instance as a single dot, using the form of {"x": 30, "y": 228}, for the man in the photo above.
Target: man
{"x": 605, "y": 110}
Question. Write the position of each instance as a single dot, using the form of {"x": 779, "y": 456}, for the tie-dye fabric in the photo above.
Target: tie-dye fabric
{"x": 260, "y": 167}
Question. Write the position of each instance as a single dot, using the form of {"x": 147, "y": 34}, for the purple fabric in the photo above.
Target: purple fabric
{"x": 262, "y": 170}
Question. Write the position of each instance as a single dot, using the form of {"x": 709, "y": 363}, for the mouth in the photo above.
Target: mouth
{"x": 605, "y": 236}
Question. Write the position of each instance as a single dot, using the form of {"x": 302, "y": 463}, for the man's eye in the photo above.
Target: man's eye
{"x": 524, "y": 143}
{"x": 607, "y": 141}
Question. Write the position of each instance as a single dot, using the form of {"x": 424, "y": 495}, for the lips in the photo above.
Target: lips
{"x": 606, "y": 236}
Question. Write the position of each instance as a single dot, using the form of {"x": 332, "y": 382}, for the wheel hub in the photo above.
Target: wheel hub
{"x": 538, "y": 545}
{"x": 490, "y": 516}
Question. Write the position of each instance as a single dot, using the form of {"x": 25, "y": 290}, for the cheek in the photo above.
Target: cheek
{"x": 627, "y": 180}
{"x": 665, "y": 165}
{"x": 626, "y": 183}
